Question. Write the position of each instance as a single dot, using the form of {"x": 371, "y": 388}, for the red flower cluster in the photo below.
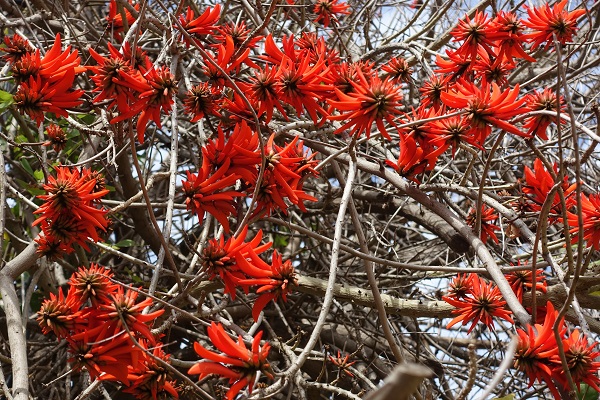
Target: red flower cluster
{"x": 69, "y": 214}
{"x": 488, "y": 228}
{"x": 132, "y": 84}
{"x": 235, "y": 361}
{"x": 538, "y": 184}
{"x": 229, "y": 158}
{"x": 327, "y": 11}
{"x": 537, "y": 355}
{"x": 476, "y": 300}
{"x": 107, "y": 334}
{"x": 238, "y": 265}
{"x": 590, "y": 210}
{"x": 44, "y": 83}
{"x": 522, "y": 281}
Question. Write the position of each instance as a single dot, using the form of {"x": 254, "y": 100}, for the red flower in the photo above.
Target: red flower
{"x": 373, "y": 101}
{"x": 488, "y": 228}
{"x": 590, "y": 210}
{"x": 106, "y": 78}
{"x": 546, "y": 22}
{"x": 156, "y": 89}
{"x": 474, "y": 35}
{"x": 263, "y": 89}
{"x": 72, "y": 193}
{"x": 522, "y": 281}
{"x": 205, "y": 192}
{"x": 580, "y": 357}
{"x": 57, "y": 137}
{"x": 93, "y": 284}
{"x": 104, "y": 359}
{"x": 235, "y": 362}
{"x": 203, "y": 99}
{"x": 302, "y": 85}
{"x": 509, "y": 37}
{"x": 151, "y": 380}
{"x": 486, "y": 105}
{"x": 124, "y": 310}
{"x": 431, "y": 92}
{"x": 461, "y": 286}
{"x": 398, "y": 70}
{"x": 114, "y": 18}
{"x": 222, "y": 258}
{"x": 537, "y": 354}
{"x": 16, "y": 47}
{"x": 326, "y": 11}
{"x": 275, "y": 280}
{"x": 36, "y": 96}
{"x": 61, "y": 315}
{"x": 451, "y": 132}
{"x": 539, "y": 182}
{"x": 413, "y": 160}
{"x": 536, "y": 101}
{"x": 240, "y": 149}
{"x": 200, "y": 26}
{"x": 483, "y": 302}
{"x": 225, "y": 53}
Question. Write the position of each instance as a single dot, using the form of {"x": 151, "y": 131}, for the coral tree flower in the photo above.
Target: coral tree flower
{"x": 275, "y": 280}
{"x": 481, "y": 302}
{"x": 580, "y": 357}
{"x": 590, "y": 209}
{"x": 488, "y": 228}
{"x": 235, "y": 362}
{"x": 542, "y": 101}
{"x": 60, "y": 315}
{"x": 546, "y": 22}
{"x": 93, "y": 284}
{"x": 537, "y": 354}
{"x": 327, "y": 11}
{"x": 374, "y": 101}
{"x": 69, "y": 214}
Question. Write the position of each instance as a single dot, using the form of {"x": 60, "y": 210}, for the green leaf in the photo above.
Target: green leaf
{"x": 38, "y": 174}
{"x": 124, "y": 243}
{"x": 26, "y": 166}
{"x": 587, "y": 393}
{"x": 6, "y": 99}
{"x": 507, "y": 397}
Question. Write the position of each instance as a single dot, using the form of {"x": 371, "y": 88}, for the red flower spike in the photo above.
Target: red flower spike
{"x": 93, "y": 283}
{"x": 264, "y": 90}
{"x": 222, "y": 258}
{"x": 343, "y": 363}
{"x": 397, "y": 70}
{"x": 151, "y": 380}
{"x": 124, "y": 310}
{"x": 546, "y": 22}
{"x": 275, "y": 281}
{"x": 204, "y": 192}
{"x": 413, "y": 160}
{"x": 106, "y": 78}
{"x": 461, "y": 286}
{"x": 488, "y": 228}
{"x": 483, "y": 303}
{"x": 37, "y": 96}
{"x": 53, "y": 248}
{"x": 57, "y": 137}
{"x": 15, "y": 48}
{"x": 156, "y": 90}
{"x": 522, "y": 281}
{"x": 590, "y": 210}
{"x": 539, "y": 182}
{"x": 508, "y": 36}
{"x": 104, "y": 359}
{"x": 474, "y": 35}
{"x": 61, "y": 315}
{"x": 536, "y": 101}
{"x": 486, "y": 105}
{"x": 228, "y": 65}
{"x": 451, "y": 132}
{"x": 198, "y": 27}
{"x": 302, "y": 86}
{"x": 372, "y": 102}
{"x": 327, "y": 11}
{"x": 537, "y": 353}
{"x": 71, "y": 193}
{"x": 240, "y": 149}
{"x": 114, "y": 18}
{"x": 431, "y": 92}
{"x": 236, "y": 362}
{"x": 580, "y": 357}
{"x": 202, "y": 100}
{"x": 238, "y": 32}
